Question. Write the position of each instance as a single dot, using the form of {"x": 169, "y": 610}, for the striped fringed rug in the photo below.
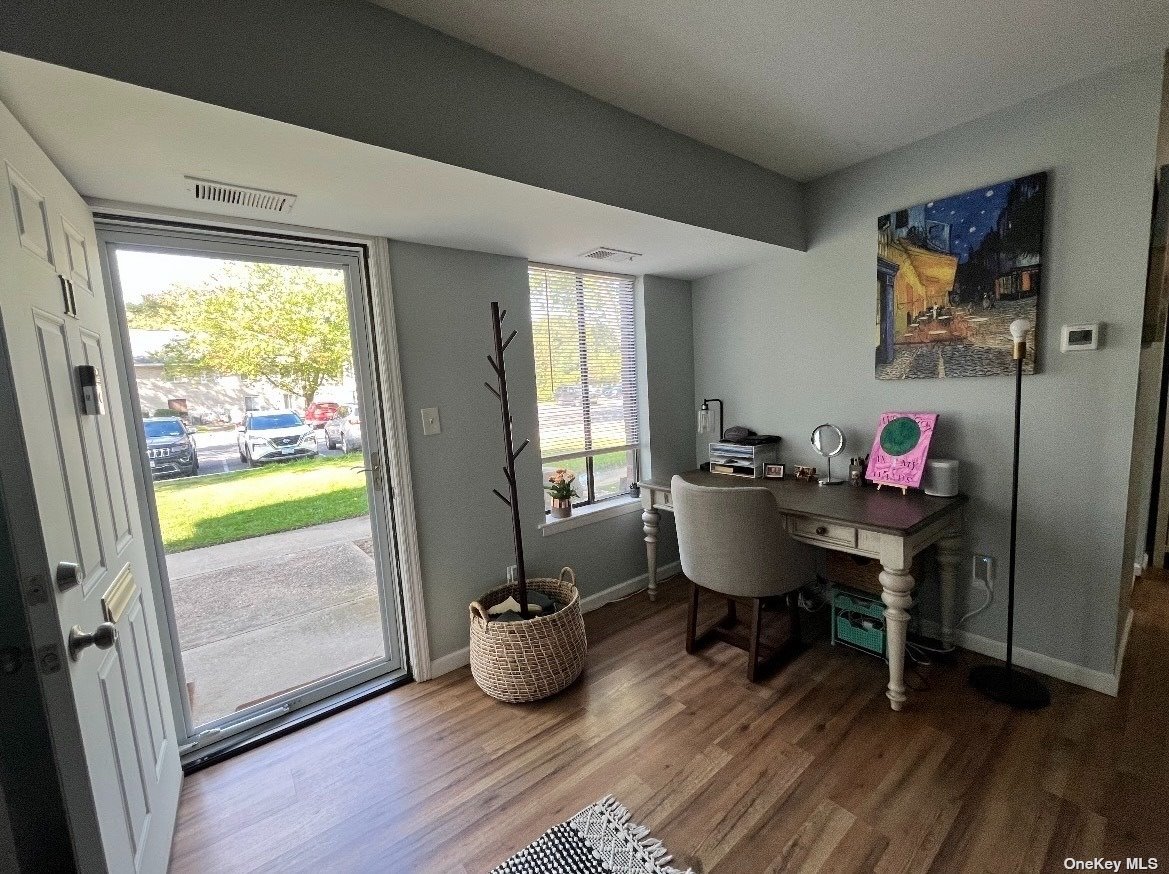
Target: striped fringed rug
{"x": 598, "y": 840}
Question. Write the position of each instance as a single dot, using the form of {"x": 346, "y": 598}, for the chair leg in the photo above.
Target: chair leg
{"x": 794, "y": 607}
{"x": 753, "y": 651}
{"x": 692, "y": 619}
{"x": 732, "y": 617}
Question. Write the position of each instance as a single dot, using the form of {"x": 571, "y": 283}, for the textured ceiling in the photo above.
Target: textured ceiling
{"x": 807, "y": 88}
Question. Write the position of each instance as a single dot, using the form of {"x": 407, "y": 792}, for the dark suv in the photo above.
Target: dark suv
{"x": 170, "y": 448}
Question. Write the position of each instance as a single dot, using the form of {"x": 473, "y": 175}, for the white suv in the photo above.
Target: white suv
{"x": 275, "y": 435}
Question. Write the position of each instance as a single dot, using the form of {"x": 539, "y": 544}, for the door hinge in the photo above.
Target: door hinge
{"x": 35, "y": 592}
{"x": 47, "y": 658}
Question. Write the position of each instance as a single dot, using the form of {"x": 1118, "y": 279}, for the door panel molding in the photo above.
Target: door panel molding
{"x": 32, "y": 216}
{"x": 57, "y": 368}
{"x": 131, "y": 793}
{"x": 109, "y": 450}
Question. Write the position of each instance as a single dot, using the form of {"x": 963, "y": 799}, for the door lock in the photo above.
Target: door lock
{"x": 103, "y": 637}
{"x": 68, "y": 575}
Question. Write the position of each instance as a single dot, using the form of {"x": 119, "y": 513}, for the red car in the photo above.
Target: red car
{"x": 318, "y": 414}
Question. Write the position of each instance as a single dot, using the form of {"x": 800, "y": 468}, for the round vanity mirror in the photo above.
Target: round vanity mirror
{"x": 828, "y": 440}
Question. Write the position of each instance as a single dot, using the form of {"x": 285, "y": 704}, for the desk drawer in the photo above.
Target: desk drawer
{"x": 824, "y": 532}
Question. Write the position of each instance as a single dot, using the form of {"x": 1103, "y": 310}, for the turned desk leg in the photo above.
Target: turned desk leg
{"x": 649, "y": 524}
{"x": 897, "y": 593}
{"x": 949, "y": 557}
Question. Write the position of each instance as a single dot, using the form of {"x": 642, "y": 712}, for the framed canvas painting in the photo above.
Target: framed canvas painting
{"x": 952, "y": 274}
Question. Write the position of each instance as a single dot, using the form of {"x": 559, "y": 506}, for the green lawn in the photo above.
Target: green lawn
{"x": 221, "y": 508}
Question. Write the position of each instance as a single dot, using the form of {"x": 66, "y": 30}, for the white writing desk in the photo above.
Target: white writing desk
{"x": 884, "y": 525}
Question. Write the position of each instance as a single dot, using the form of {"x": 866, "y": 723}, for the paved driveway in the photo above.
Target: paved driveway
{"x": 219, "y": 451}
{"x": 264, "y": 615}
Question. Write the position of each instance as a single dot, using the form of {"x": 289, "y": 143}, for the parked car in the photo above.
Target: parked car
{"x": 170, "y": 447}
{"x": 567, "y": 393}
{"x": 318, "y": 414}
{"x": 274, "y": 435}
{"x": 344, "y": 430}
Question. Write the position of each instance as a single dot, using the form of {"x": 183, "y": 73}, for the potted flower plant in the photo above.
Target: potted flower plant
{"x": 560, "y": 487}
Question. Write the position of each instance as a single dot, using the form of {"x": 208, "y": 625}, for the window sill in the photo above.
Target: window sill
{"x": 588, "y": 515}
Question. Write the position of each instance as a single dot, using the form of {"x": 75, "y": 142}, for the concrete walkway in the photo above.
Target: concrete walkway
{"x": 264, "y": 615}
{"x": 226, "y": 555}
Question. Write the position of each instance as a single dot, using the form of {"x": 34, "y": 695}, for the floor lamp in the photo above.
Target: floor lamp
{"x": 1002, "y": 682}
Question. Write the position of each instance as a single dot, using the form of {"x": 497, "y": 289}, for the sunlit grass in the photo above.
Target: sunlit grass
{"x": 225, "y": 507}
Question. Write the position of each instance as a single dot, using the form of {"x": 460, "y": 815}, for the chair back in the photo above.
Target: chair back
{"x": 732, "y": 540}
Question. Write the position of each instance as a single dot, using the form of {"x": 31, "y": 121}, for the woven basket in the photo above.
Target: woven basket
{"x": 533, "y": 658}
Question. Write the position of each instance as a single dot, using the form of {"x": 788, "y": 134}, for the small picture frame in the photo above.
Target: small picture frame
{"x": 808, "y": 473}
{"x": 773, "y": 471}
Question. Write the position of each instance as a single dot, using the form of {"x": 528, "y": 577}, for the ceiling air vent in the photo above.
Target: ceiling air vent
{"x": 225, "y": 193}
{"x": 608, "y": 253}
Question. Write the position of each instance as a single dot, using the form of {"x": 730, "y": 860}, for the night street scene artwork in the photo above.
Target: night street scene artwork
{"x": 952, "y": 275}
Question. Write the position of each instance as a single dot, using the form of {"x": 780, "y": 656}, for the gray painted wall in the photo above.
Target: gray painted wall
{"x": 441, "y": 304}
{"x": 790, "y": 344}
{"x": 352, "y": 69}
{"x": 669, "y": 415}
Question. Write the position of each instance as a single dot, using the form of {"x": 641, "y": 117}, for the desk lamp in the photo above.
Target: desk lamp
{"x": 704, "y": 416}
{"x": 1002, "y": 682}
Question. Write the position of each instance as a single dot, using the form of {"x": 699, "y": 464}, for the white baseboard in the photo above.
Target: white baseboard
{"x": 1120, "y": 650}
{"x": 462, "y": 657}
{"x": 452, "y": 661}
{"x": 1098, "y": 681}
{"x": 603, "y": 597}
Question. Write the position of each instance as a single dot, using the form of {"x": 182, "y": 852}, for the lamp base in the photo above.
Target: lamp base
{"x": 1010, "y": 686}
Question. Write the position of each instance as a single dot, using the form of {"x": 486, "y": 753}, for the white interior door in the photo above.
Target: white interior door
{"x": 69, "y": 493}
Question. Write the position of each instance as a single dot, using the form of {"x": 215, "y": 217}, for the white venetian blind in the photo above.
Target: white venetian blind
{"x": 586, "y": 361}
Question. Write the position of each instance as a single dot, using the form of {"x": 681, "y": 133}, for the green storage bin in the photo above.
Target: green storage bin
{"x": 859, "y": 621}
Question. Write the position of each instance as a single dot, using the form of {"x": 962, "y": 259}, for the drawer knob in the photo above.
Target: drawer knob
{"x": 822, "y": 530}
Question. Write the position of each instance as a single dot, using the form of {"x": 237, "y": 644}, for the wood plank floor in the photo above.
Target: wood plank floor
{"x": 809, "y": 771}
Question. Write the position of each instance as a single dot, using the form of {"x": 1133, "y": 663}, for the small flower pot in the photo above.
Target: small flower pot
{"x": 561, "y": 507}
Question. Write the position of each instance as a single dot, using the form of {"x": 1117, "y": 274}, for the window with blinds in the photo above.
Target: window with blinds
{"x": 586, "y": 378}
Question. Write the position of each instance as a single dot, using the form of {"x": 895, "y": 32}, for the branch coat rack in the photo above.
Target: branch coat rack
{"x": 510, "y": 453}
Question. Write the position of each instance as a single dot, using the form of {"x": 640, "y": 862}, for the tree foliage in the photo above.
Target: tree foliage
{"x": 556, "y": 338}
{"x": 283, "y": 324}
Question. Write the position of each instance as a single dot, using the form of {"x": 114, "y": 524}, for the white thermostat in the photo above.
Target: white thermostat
{"x": 1079, "y": 338}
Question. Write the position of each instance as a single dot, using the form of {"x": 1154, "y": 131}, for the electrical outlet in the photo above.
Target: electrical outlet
{"x": 982, "y": 572}
{"x": 430, "y": 423}
{"x": 511, "y": 574}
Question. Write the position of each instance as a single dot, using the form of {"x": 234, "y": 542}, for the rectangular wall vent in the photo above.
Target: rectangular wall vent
{"x": 209, "y": 191}
{"x": 608, "y": 253}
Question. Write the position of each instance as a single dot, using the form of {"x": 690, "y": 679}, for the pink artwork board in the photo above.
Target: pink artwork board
{"x": 900, "y": 448}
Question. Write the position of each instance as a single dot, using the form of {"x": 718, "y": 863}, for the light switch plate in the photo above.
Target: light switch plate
{"x": 430, "y": 423}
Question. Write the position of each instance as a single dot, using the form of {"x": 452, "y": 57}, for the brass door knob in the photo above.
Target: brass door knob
{"x": 103, "y": 637}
